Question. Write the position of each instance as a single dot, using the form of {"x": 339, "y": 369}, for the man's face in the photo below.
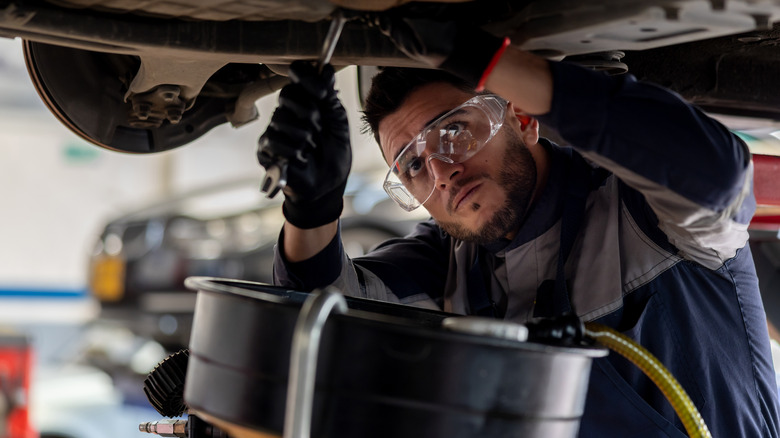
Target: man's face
{"x": 483, "y": 198}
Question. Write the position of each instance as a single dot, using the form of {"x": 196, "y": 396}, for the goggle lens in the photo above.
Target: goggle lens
{"x": 454, "y": 138}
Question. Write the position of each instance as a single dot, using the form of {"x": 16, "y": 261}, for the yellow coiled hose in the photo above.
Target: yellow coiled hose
{"x": 656, "y": 371}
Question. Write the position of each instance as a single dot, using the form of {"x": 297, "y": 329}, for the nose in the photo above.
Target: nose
{"x": 443, "y": 170}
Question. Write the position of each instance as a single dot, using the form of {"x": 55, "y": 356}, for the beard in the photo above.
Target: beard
{"x": 518, "y": 179}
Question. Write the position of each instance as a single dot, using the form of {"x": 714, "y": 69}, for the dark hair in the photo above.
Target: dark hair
{"x": 392, "y": 85}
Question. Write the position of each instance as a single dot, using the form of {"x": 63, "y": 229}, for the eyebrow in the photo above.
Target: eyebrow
{"x": 429, "y": 122}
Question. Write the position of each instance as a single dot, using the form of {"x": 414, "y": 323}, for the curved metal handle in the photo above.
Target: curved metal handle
{"x": 303, "y": 359}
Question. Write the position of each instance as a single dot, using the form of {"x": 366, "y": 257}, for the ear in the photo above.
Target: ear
{"x": 529, "y": 126}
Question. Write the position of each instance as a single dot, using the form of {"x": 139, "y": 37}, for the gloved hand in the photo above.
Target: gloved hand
{"x": 309, "y": 129}
{"x": 464, "y": 51}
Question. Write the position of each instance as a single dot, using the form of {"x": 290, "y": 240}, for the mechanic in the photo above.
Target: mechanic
{"x": 641, "y": 224}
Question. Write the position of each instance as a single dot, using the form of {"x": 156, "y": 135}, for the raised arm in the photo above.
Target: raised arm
{"x": 309, "y": 133}
{"x": 524, "y": 79}
{"x": 690, "y": 169}
{"x": 693, "y": 172}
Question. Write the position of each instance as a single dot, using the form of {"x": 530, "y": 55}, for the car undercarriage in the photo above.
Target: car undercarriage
{"x": 140, "y": 76}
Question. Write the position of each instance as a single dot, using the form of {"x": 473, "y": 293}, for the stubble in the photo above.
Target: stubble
{"x": 518, "y": 179}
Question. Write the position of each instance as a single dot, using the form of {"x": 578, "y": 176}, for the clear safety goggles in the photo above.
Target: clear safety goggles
{"x": 453, "y": 138}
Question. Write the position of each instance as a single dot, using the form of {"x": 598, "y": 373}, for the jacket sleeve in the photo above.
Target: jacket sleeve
{"x": 694, "y": 174}
{"x": 408, "y": 270}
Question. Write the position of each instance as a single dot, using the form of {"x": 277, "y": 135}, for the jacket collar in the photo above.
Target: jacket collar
{"x": 548, "y": 208}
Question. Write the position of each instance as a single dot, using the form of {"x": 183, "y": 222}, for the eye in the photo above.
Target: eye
{"x": 409, "y": 168}
{"x": 415, "y": 166}
{"x": 448, "y": 135}
{"x": 451, "y": 130}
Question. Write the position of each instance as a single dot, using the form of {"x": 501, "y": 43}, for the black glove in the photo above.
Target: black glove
{"x": 461, "y": 50}
{"x": 310, "y": 131}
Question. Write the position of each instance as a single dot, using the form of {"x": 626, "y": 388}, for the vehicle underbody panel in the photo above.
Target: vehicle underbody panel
{"x": 158, "y": 59}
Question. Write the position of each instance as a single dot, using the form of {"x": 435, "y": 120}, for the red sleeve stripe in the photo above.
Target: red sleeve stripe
{"x": 492, "y": 65}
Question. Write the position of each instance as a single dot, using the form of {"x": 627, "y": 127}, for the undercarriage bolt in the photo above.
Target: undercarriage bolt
{"x": 174, "y": 115}
{"x": 167, "y": 92}
{"x": 142, "y": 110}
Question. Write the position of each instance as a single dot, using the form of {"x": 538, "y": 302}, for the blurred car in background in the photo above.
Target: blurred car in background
{"x": 141, "y": 259}
{"x": 82, "y": 401}
{"x": 71, "y": 394}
